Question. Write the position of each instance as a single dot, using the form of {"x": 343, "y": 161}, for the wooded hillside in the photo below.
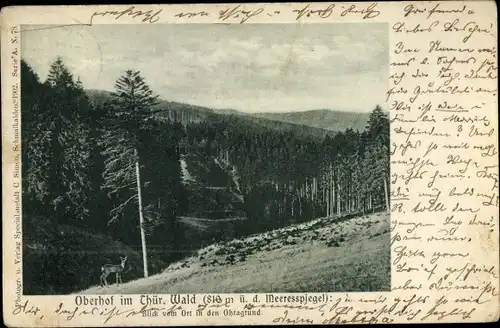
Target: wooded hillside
{"x": 83, "y": 156}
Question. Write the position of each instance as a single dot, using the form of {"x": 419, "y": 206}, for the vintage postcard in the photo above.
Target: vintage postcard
{"x": 250, "y": 164}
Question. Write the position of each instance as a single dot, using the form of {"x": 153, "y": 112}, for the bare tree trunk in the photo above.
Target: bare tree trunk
{"x": 386, "y": 194}
{"x": 349, "y": 195}
{"x": 325, "y": 199}
{"x": 332, "y": 187}
{"x": 332, "y": 191}
{"x": 314, "y": 198}
{"x": 358, "y": 203}
{"x": 354, "y": 201}
{"x": 364, "y": 203}
{"x": 338, "y": 197}
{"x": 316, "y": 190}
{"x": 328, "y": 203}
{"x": 331, "y": 194}
{"x": 285, "y": 204}
{"x": 313, "y": 188}
{"x": 300, "y": 206}
{"x": 141, "y": 218}
{"x": 306, "y": 189}
{"x": 371, "y": 203}
{"x": 351, "y": 201}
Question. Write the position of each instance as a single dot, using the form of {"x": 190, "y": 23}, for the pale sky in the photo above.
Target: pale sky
{"x": 247, "y": 67}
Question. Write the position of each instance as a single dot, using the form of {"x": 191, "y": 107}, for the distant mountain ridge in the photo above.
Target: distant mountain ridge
{"x": 318, "y": 123}
{"x": 321, "y": 118}
{"x": 101, "y": 96}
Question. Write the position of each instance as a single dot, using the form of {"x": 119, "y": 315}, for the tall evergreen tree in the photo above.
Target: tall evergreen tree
{"x": 59, "y": 76}
{"x": 34, "y": 138}
{"x": 69, "y": 144}
{"x": 131, "y": 110}
{"x": 377, "y": 161}
{"x": 378, "y": 125}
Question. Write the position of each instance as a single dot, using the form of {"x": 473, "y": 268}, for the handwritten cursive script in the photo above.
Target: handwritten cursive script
{"x": 149, "y": 16}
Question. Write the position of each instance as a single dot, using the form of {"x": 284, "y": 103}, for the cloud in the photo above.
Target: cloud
{"x": 246, "y": 67}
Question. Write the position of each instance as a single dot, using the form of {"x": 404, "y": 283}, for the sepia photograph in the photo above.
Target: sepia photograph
{"x": 202, "y": 158}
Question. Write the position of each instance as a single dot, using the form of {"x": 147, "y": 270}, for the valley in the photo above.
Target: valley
{"x": 198, "y": 192}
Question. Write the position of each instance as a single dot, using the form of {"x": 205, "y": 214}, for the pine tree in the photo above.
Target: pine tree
{"x": 35, "y": 137}
{"x": 377, "y": 149}
{"x": 378, "y": 125}
{"x": 59, "y": 76}
{"x": 357, "y": 182}
{"x": 131, "y": 110}
{"x": 133, "y": 104}
{"x": 66, "y": 108}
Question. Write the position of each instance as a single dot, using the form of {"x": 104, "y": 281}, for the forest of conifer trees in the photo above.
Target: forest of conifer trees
{"x": 94, "y": 173}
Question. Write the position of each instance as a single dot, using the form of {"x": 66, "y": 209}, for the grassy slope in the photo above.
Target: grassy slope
{"x": 322, "y": 255}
